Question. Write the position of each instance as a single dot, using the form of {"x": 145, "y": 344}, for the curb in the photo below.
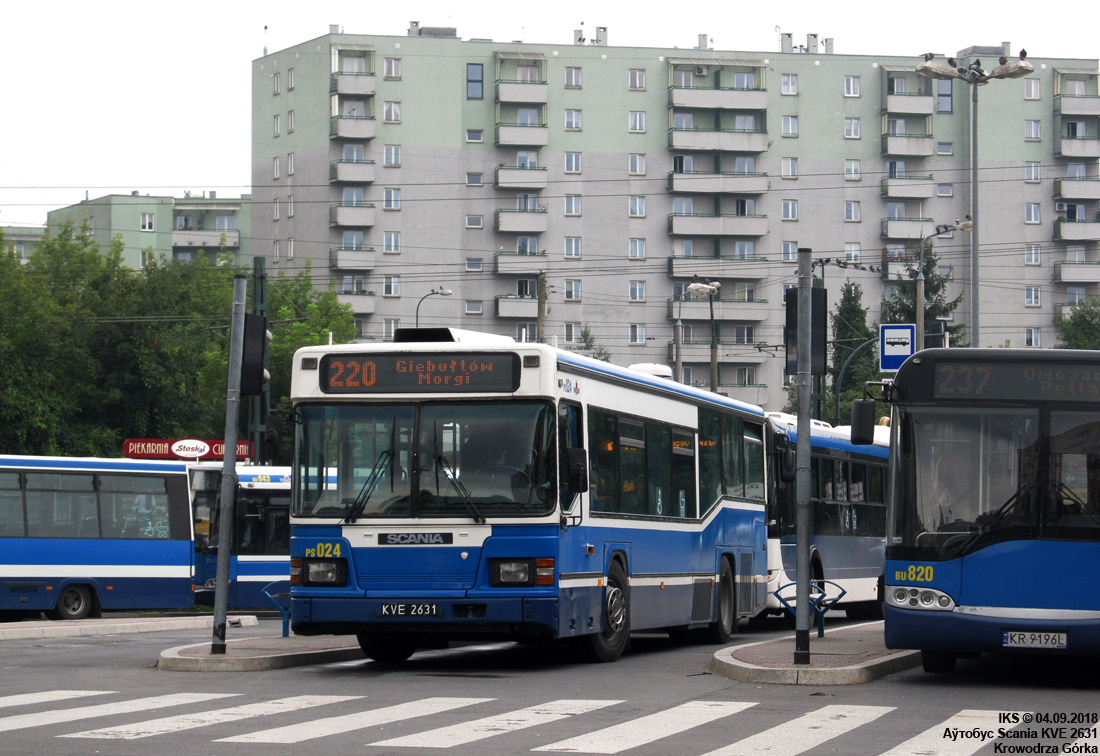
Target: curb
{"x": 173, "y": 660}
{"x": 724, "y": 663}
{"x": 78, "y": 628}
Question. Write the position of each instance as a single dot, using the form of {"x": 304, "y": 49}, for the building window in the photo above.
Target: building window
{"x": 572, "y": 246}
{"x": 790, "y": 251}
{"x": 1075, "y": 253}
{"x": 1031, "y": 335}
{"x": 851, "y": 252}
{"x": 475, "y": 81}
{"x": 851, "y": 170}
{"x": 637, "y": 120}
{"x": 637, "y": 249}
{"x": 475, "y": 135}
{"x": 391, "y": 286}
{"x": 636, "y": 78}
{"x": 527, "y": 287}
{"x": 572, "y": 333}
{"x": 391, "y": 156}
{"x": 391, "y": 241}
{"x": 290, "y": 164}
{"x": 1031, "y": 131}
{"x": 353, "y": 240}
{"x": 572, "y": 78}
{"x": 1031, "y": 89}
{"x": 225, "y": 223}
{"x": 275, "y": 80}
{"x": 790, "y": 209}
{"x": 637, "y": 333}
{"x": 473, "y": 179}
{"x": 636, "y": 164}
{"x": 290, "y": 248}
{"x": 392, "y": 199}
{"x": 683, "y": 121}
{"x": 275, "y": 250}
{"x": 389, "y": 328}
{"x": 290, "y": 121}
{"x": 391, "y": 112}
{"x": 474, "y": 221}
{"x": 527, "y": 245}
{"x": 353, "y": 196}
{"x": 744, "y": 334}
{"x": 1075, "y": 295}
{"x": 681, "y": 79}
{"x": 790, "y": 125}
{"x": 851, "y": 128}
{"x": 637, "y": 207}
{"x": 851, "y": 86}
{"x": 744, "y": 250}
{"x": 276, "y": 124}
{"x": 745, "y": 376}
{"x": 945, "y": 190}
{"x": 1031, "y": 296}
{"x": 944, "y": 102}
{"x": 275, "y": 209}
{"x": 1032, "y": 254}
{"x": 790, "y": 84}
{"x": 1031, "y": 171}
{"x": 473, "y": 307}
{"x": 528, "y": 117}
{"x": 572, "y": 162}
{"x": 572, "y": 120}
{"x": 790, "y": 167}
{"x": 147, "y": 220}
{"x": 526, "y": 332}
{"x": 290, "y": 78}
{"x": 683, "y": 205}
{"x": 572, "y": 204}
{"x": 572, "y": 290}
{"x": 637, "y": 291}
{"x": 391, "y": 68}
{"x": 851, "y": 211}
{"x": 945, "y": 148}
{"x": 473, "y": 264}
{"x": 1031, "y": 212}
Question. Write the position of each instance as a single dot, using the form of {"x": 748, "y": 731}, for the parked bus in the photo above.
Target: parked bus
{"x": 261, "y": 533}
{"x": 848, "y": 503}
{"x": 455, "y": 485}
{"x": 993, "y": 523}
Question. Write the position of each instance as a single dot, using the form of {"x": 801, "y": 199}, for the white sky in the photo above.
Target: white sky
{"x": 117, "y": 96}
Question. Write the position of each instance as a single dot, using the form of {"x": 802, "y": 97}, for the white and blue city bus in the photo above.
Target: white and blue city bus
{"x": 78, "y": 535}
{"x": 993, "y": 534}
{"x": 455, "y": 485}
{"x": 848, "y": 505}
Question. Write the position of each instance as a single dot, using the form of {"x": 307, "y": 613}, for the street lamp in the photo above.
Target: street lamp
{"x": 975, "y": 76}
{"x": 440, "y": 291}
{"x": 708, "y": 289}
{"x": 966, "y": 225}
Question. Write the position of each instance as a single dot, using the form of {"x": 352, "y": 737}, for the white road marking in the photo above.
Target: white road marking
{"x": 56, "y": 716}
{"x": 805, "y": 732}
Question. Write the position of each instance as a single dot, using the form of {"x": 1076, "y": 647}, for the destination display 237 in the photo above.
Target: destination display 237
{"x": 420, "y": 372}
{"x": 1011, "y": 381}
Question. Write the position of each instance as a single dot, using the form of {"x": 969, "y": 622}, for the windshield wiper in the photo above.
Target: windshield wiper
{"x": 365, "y": 492}
{"x": 460, "y": 489}
{"x": 993, "y": 518}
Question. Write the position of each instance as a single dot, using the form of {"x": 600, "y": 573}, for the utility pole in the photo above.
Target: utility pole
{"x": 540, "y": 325}
{"x": 802, "y": 458}
{"x": 260, "y": 405}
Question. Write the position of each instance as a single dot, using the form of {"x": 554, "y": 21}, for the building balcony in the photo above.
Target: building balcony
{"x": 1073, "y": 272}
{"x": 208, "y": 239}
{"x": 517, "y": 177}
{"x": 522, "y": 91}
{"x": 909, "y": 104}
{"x": 517, "y": 307}
{"x": 725, "y": 140}
{"x": 352, "y": 127}
{"x": 362, "y": 302}
{"x": 906, "y": 228}
{"x": 351, "y": 258}
{"x": 724, "y": 98}
{"x": 511, "y": 221}
{"x": 513, "y": 263}
{"x": 909, "y": 145}
{"x": 355, "y": 215}
{"x": 354, "y": 171}
{"x": 1064, "y": 309}
{"x": 1077, "y": 188}
{"x": 1076, "y": 230}
{"x": 351, "y": 83}
{"x": 522, "y": 135}
{"x": 698, "y": 224}
{"x": 723, "y": 183}
{"x": 1077, "y": 105}
{"x": 724, "y": 309}
{"x": 1076, "y": 147}
{"x": 744, "y": 269}
{"x": 908, "y": 187}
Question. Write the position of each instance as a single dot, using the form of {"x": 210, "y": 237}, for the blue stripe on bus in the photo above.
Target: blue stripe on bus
{"x": 92, "y": 464}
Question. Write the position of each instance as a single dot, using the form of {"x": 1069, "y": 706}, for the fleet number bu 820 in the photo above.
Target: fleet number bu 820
{"x": 917, "y": 573}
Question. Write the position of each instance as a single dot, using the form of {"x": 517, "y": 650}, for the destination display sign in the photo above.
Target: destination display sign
{"x": 488, "y": 372}
{"x": 959, "y": 379}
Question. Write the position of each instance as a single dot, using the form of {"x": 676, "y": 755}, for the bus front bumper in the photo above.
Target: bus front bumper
{"x": 966, "y": 633}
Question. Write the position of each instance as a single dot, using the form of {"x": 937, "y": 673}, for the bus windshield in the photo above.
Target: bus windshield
{"x": 483, "y": 459}
{"x": 971, "y": 477}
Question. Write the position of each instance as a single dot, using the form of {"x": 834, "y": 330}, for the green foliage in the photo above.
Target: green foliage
{"x": 588, "y": 344}
{"x": 902, "y": 308}
{"x": 1081, "y": 328}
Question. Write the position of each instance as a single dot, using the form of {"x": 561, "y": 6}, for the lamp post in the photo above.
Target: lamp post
{"x": 975, "y": 76}
{"x": 967, "y": 225}
{"x": 708, "y": 288}
{"x": 440, "y": 291}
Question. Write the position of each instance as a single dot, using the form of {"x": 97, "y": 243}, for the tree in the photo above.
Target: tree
{"x": 588, "y": 344}
{"x": 851, "y": 333}
{"x": 902, "y": 308}
{"x": 1080, "y": 329}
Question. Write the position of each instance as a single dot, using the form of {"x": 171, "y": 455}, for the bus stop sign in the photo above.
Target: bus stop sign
{"x": 895, "y": 345}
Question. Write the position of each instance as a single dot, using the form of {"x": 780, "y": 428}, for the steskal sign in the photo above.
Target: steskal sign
{"x": 181, "y": 448}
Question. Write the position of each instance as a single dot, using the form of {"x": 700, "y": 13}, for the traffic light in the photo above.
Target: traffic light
{"x": 254, "y": 355}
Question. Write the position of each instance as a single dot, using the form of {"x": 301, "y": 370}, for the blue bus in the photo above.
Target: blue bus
{"x": 456, "y": 485}
{"x": 993, "y": 524}
{"x": 79, "y": 535}
{"x": 848, "y": 503}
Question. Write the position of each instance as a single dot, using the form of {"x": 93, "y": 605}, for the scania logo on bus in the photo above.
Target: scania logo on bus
{"x": 190, "y": 448}
{"x": 414, "y": 539}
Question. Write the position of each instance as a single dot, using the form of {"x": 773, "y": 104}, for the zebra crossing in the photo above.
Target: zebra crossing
{"x": 355, "y": 714}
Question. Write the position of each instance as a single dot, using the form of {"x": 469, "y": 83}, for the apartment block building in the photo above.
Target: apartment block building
{"x": 21, "y": 240}
{"x": 174, "y": 228}
{"x": 403, "y": 164}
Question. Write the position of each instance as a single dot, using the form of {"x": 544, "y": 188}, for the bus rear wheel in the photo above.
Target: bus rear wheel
{"x": 610, "y": 643}
{"x": 719, "y": 631}
{"x": 386, "y": 648}
{"x": 75, "y": 602}
{"x": 937, "y": 662}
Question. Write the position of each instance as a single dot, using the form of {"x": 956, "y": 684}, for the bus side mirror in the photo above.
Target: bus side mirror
{"x": 788, "y": 464}
{"x": 578, "y": 470}
{"x": 206, "y": 481}
{"x": 863, "y": 421}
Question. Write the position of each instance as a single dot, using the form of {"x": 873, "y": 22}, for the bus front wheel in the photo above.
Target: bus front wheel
{"x": 386, "y": 649}
{"x": 719, "y": 632}
{"x": 609, "y": 644}
{"x": 75, "y": 602}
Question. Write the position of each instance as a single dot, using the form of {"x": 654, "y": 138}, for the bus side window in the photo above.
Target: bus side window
{"x": 659, "y": 459}
{"x": 11, "y": 507}
{"x": 733, "y": 468}
{"x": 754, "y": 461}
{"x": 840, "y": 484}
{"x": 603, "y": 467}
{"x": 683, "y": 473}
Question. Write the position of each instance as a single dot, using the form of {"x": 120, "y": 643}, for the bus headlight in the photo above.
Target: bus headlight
{"x": 904, "y": 597}
{"x": 510, "y": 572}
{"x": 325, "y": 572}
